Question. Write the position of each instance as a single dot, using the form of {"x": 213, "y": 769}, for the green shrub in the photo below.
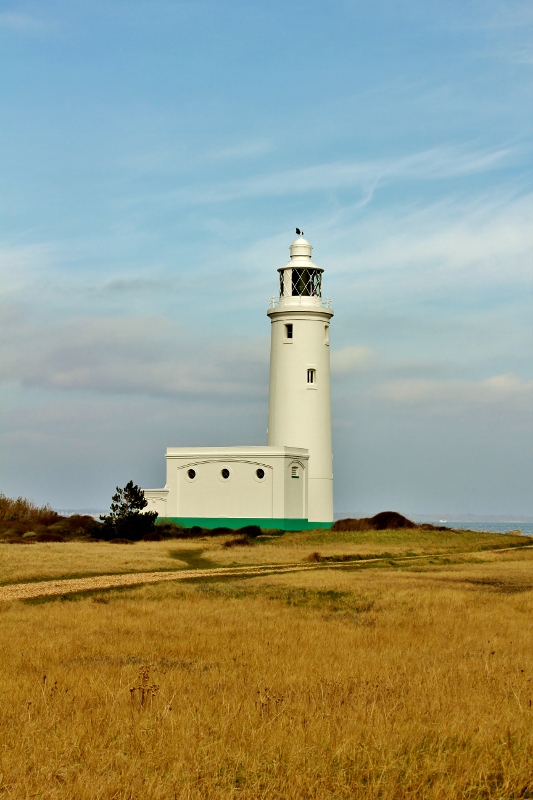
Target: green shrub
{"x": 126, "y": 519}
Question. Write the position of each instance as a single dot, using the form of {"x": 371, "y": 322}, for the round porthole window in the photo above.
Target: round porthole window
{"x": 260, "y": 474}
{"x": 225, "y": 473}
{"x": 191, "y": 474}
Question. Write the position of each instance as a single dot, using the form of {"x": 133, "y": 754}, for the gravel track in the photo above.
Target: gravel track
{"x": 27, "y": 591}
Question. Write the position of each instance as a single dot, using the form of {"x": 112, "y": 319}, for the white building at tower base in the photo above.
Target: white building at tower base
{"x": 288, "y": 483}
{"x": 265, "y": 486}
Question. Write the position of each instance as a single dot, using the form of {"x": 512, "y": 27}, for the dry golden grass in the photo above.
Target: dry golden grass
{"x": 22, "y": 562}
{"x": 18, "y": 509}
{"x": 293, "y": 547}
{"x": 376, "y": 683}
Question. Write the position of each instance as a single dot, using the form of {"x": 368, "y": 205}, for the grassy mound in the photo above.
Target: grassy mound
{"x": 385, "y": 520}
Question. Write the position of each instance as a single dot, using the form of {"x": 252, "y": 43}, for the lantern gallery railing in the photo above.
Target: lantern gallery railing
{"x": 274, "y": 302}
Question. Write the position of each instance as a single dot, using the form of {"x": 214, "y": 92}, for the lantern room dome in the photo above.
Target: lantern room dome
{"x": 300, "y": 247}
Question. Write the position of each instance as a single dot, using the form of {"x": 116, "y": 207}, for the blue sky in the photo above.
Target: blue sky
{"x": 156, "y": 157}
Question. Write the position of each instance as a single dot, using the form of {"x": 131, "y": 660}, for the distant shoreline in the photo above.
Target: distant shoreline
{"x": 451, "y": 520}
{"x": 493, "y": 519}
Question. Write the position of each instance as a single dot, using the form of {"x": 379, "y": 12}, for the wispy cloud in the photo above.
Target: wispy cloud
{"x": 257, "y": 147}
{"x": 139, "y": 355}
{"x": 181, "y": 159}
{"x": 351, "y": 359}
{"x": 510, "y": 15}
{"x": 19, "y": 264}
{"x": 433, "y": 164}
{"x": 487, "y": 239}
{"x": 23, "y": 23}
{"x": 450, "y": 396}
{"x": 511, "y": 25}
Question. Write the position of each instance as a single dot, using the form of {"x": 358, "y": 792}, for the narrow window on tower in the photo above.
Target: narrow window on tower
{"x": 311, "y": 376}
{"x": 294, "y": 471}
{"x": 288, "y": 330}
{"x": 326, "y": 334}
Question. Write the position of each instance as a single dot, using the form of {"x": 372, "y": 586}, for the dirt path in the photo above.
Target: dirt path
{"x": 26, "y": 591}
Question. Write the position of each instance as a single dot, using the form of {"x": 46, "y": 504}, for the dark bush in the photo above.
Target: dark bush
{"x": 169, "y": 530}
{"x": 385, "y": 520}
{"x": 49, "y": 536}
{"x": 77, "y": 525}
{"x": 388, "y": 520}
{"x": 250, "y": 530}
{"x": 121, "y": 541}
{"x": 427, "y": 527}
{"x": 240, "y": 541}
{"x": 350, "y": 525}
{"x": 153, "y": 537}
{"x": 19, "y": 540}
{"x": 135, "y": 527}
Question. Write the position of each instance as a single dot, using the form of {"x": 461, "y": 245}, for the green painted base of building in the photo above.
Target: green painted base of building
{"x": 234, "y": 523}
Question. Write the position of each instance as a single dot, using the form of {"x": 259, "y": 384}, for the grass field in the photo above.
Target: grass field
{"x": 39, "y": 561}
{"x": 406, "y": 681}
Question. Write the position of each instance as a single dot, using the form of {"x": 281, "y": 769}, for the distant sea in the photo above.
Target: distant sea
{"x": 491, "y": 524}
{"x": 526, "y": 528}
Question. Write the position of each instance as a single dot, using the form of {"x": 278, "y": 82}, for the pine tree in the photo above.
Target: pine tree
{"x": 126, "y": 519}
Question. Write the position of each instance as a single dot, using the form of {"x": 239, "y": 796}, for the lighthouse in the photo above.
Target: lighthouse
{"x": 299, "y": 408}
{"x": 288, "y": 483}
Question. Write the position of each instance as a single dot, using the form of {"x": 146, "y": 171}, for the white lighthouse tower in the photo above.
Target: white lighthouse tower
{"x": 288, "y": 483}
{"x": 299, "y": 410}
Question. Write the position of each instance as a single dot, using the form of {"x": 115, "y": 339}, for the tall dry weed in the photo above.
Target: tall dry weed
{"x": 21, "y": 510}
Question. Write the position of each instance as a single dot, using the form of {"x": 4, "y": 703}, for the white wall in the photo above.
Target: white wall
{"x": 278, "y": 495}
{"x": 299, "y": 414}
{"x": 209, "y": 495}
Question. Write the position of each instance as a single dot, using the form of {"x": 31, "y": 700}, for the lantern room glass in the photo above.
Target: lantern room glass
{"x": 300, "y": 282}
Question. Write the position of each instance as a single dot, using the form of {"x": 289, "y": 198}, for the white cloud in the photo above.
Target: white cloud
{"x": 432, "y": 164}
{"x": 511, "y": 15}
{"x": 352, "y": 359}
{"x": 257, "y": 147}
{"x": 506, "y": 390}
{"x": 180, "y": 159}
{"x": 459, "y": 241}
{"x": 19, "y": 265}
{"x": 23, "y": 23}
{"x": 143, "y": 355}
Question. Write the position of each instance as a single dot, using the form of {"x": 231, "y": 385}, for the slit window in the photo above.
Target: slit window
{"x": 326, "y": 334}
{"x": 288, "y": 331}
{"x": 311, "y": 376}
{"x": 294, "y": 471}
